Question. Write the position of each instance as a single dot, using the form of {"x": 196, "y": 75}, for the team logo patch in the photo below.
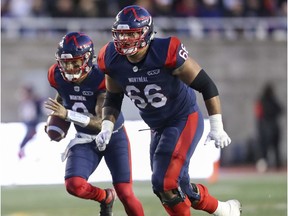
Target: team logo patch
{"x": 135, "y": 69}
{"x": 153, "y": 72}
{"x": 87, "y": 93}
{"x": 76, "y": 88}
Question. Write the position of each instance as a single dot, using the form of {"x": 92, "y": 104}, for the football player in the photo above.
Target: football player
{"x": 158, "y": 75}
{"x": 30, "y": 112}
{"x": 80, "y": 89}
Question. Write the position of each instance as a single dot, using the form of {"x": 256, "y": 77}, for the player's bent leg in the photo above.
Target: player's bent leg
{"x": 79, "y": 187}
{"x": 132, "y": 205}
{"x": 175, "y": 202}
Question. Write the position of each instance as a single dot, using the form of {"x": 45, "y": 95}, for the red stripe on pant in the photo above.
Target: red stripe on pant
{"x": 177, "y": 161}
{"x": 179, "y": 155}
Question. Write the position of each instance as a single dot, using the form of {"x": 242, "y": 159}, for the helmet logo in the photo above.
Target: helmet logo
{"x": 73, "y": 37}
{"x": 68, "y": 39}
{"x": 127, "y": 10}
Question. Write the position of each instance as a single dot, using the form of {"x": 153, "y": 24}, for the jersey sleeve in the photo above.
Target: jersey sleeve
{"x": 101, "y": 58}
{"x": 51, "y": 76}
{"x": 176, "y": 54}
{"x": 102, "y": 86}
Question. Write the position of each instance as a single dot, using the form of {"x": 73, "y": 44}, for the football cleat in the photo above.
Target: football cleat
{"x": 106, "y": 206}
{"x": 228, "y": 208}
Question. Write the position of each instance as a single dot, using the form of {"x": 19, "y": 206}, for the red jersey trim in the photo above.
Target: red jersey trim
{"x": 51, "y": 76}
{"x": 172, "y": 52}
{"x": 101, "y": 58}
{"x": 102, "y": 85}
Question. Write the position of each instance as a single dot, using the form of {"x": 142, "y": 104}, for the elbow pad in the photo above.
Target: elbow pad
{"x": 204, "y": 84}
{"x": 113, "y": 100}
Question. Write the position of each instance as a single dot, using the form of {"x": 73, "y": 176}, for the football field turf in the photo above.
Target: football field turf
{"x": 260, "y": 195}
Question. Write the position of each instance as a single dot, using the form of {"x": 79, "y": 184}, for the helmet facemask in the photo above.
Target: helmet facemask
{"x": 129, "y": 42}
{"x": 73, "y": 68}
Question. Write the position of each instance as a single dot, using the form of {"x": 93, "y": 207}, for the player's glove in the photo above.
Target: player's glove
{"x": 103, "y": 138}
{"x": 217, "y": 133}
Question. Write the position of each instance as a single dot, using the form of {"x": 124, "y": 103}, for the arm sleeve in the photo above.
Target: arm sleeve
{"x": 204, "y": 84}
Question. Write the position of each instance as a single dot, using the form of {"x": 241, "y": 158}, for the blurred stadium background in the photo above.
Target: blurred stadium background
{"x": 242, "y": 44}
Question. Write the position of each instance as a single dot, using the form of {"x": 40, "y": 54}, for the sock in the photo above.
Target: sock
{"x": 130, "y": 202}
{"x": 207, "y": 202}
{"x": 79, "y": 187}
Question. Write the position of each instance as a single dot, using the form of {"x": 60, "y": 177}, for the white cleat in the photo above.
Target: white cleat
{"x": 228, "y": 208}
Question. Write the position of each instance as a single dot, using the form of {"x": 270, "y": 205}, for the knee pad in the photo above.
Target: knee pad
{"x": 157, "y": 194}
{"x": 180, "y": 197}
{"x": 194, "y": 195}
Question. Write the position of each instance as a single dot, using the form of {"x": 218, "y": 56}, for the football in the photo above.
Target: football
{"x": 56, "y": 128}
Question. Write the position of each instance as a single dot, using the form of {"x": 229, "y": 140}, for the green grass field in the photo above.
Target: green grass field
{"x": 261, "y": 195}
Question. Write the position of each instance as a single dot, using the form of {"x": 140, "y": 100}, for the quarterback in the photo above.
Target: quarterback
{"x": 81, "y": 89}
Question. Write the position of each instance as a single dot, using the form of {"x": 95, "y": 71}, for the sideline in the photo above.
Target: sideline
{"x": 42, "y": 163}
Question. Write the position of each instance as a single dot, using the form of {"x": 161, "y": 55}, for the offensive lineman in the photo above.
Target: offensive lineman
{"x": 159, "y": 77}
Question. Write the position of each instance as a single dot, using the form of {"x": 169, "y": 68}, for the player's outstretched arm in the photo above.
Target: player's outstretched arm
{"x": 194, "y": 76}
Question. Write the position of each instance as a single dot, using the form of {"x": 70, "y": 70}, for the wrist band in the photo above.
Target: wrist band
{"x": 107, "y": 125}
{"x": 77, "y": 118}
{"x": 216, "y": 122}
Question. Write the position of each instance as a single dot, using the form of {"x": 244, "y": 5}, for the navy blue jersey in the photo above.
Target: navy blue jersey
{"x": 160, "y": 96}
{"x": 81, "y": 97}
